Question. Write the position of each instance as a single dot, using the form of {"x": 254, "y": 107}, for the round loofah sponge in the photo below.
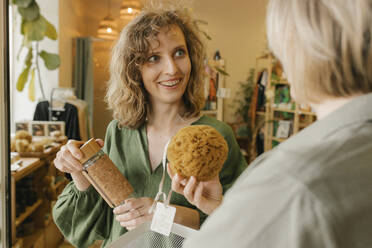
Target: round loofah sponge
{"x": 197, "y": 150}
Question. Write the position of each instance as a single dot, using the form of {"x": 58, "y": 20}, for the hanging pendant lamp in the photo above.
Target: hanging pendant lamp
{"x": 107, "y": 27}
{"x": 129, "y": 9}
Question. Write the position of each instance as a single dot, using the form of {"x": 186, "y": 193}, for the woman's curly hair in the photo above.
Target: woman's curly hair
{"x": 126, "y": 95}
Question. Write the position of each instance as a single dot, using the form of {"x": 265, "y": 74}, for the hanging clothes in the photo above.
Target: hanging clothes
{"x": 69, "y": 115}
{"x": 261, "y": 83}
{"x": 85, "y": 126}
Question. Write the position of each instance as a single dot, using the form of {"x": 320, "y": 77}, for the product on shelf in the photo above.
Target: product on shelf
{"x": 22, "y": 134}
{"x": 21, "y": 145}
{"x": 197, "y": 150}
{"x": 25, "y": 194}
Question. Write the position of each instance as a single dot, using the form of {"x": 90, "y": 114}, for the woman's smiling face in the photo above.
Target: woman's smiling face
{"x": 166, "y": 71}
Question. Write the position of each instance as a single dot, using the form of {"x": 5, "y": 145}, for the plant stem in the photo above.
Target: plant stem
{"x": 38, "y": 70}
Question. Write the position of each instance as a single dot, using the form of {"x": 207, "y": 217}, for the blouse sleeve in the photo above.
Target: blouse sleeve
{"x": 83, "y": 216}
{"x": 235, "y": 163}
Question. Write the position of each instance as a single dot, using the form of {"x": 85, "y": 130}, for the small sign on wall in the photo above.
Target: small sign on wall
{"x": 41, "y": 128}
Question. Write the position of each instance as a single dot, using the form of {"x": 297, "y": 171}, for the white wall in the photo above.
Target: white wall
{"x": 22, "y": 107}
{"x": 237, "y": 28}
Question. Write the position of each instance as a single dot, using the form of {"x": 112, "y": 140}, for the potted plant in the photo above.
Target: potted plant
{"x": 243, "y": 103}
{"x": 34, "y": 28}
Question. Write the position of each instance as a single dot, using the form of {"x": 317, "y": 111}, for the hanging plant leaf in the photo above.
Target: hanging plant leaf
{"x": 26, "y": 42}
{"x": 222, "y": 71}
{"x": 206, "y": 35}
{"x": 28, "y": 60}
{"x": 35, "y": 30}
{"x": 22, "y": 79}
{"x": 51, "y": 31}
{"x": 23, "y": 27}
{"x": 201, "y": 22}
{"x": 29, "y": 13}
{"x": 22, "y": 3}
{"x": 51, "y": 60}
{"x": 31, "y": 86}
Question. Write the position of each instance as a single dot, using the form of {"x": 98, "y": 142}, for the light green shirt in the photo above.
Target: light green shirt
{"x": 84, "y": 217}
{"x": 312, "y": 191}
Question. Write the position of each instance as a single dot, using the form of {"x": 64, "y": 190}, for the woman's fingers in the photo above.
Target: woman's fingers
{"x": 131, "y": 224}
{"x": 133, "y": 212}
{"x": 73, "y": 146}
{"x": 131, "y": 215}
{"x": 198, "y": 195}
{"x": 71, "y": 160}
{"x": 176, "y": 184}
{"x": 100, "y": 142}
{"x": 67, "y": 158}
{"x": 189, "y": 189}
{"x": 171, "y": 175}
{"x": 133, "y": 203}
{"x": 62, "y": 165}
{"x": 128, "y": 205}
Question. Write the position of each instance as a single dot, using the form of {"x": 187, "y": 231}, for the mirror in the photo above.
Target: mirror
{"x": 237, "y": 30}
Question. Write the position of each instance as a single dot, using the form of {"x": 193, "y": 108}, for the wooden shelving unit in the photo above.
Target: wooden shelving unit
{"x": 34, "y": 240}
{"x": 300, "y": 117}
{"x": 28, "y": 212}
{"x": 217, "y": 113}
{"x": 28, "y": 165}
{"x": 39, "y": 166}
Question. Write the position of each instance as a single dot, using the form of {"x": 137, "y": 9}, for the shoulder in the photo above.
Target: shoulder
{"x": 113, "y": 128}
{"x": 116, "y": 135}
{"x": 223, "y": 128}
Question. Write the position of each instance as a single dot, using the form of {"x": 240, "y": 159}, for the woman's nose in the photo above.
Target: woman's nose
{"x": 170, "y": 66}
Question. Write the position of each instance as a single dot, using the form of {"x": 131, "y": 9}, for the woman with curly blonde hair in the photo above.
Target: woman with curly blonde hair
{"x": 155, "y": 89}
{"x": 127, "y": 96}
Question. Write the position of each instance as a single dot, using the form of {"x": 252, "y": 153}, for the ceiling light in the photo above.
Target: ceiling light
{"x": 129, "y": 9}
{"x": 107, "y": 27}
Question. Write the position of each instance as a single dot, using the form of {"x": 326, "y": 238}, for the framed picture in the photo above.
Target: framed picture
{"x": 22, "y": 125}
{"x": 56, "y": 126}
{"x": 39, "y": 128}
{"x": 283, "y": 129}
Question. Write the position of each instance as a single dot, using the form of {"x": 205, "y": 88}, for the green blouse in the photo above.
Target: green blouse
{"x": 83, "y": 216}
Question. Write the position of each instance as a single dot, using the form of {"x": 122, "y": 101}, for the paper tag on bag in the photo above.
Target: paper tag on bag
{"x": 163, "y": 219}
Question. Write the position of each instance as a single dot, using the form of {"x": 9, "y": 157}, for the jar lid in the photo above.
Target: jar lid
{"x": 89, "y": 149}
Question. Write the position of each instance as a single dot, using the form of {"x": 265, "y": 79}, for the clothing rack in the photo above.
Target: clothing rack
{"x": 71, "y": 90}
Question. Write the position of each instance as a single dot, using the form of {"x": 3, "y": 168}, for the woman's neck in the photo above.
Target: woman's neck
{"x": 328, "y": 106}
{"x": 165, "y": 116}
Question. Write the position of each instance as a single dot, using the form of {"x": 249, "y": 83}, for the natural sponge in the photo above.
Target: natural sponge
{"x": 197, "y": 150}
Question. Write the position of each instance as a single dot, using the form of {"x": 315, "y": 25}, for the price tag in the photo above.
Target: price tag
{"x": 163, "y": 219}
{"x": 223, "y": 92}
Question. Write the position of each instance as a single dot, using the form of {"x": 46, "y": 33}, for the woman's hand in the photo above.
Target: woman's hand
{"x": 67, "y": 159}
{"x": 134, "y": 212}
{"x": 206, "y": 196}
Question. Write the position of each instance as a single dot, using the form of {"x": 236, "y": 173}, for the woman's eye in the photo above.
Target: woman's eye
{"x": 153, "y": 58}
{"x": 180, "y": 52}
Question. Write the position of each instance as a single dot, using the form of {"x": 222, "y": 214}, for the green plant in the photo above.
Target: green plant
{"x": 243, "y": 103}
{"x": 244, "y": 97}
{"x": 34, "y": 28}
